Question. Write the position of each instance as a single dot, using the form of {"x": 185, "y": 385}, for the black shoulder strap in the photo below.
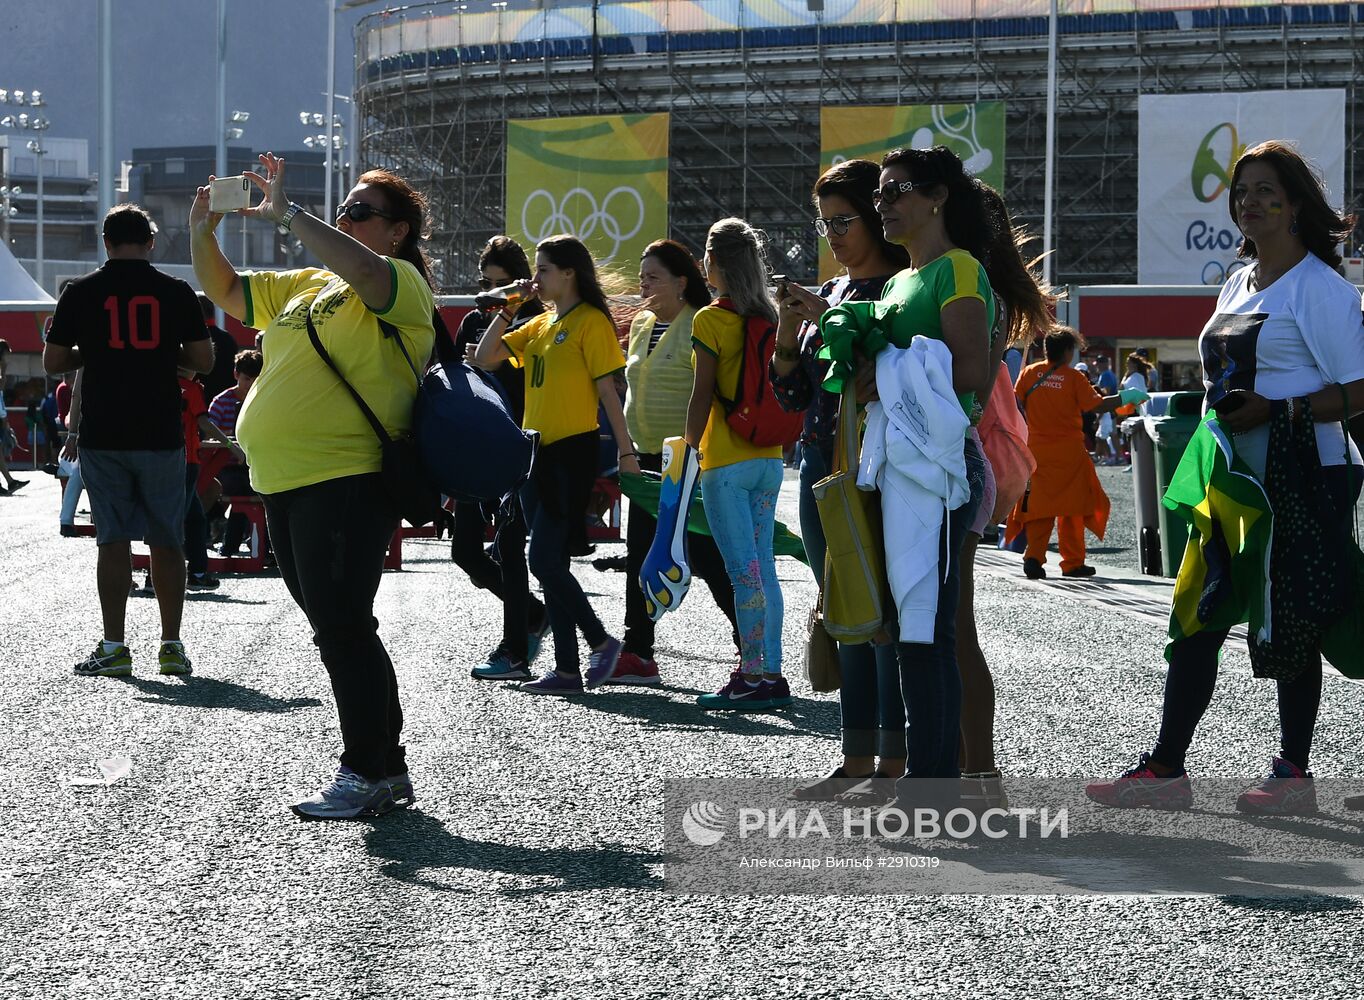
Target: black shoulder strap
{"x": 374, "y": 421}
{"x": 1037, "y": 385}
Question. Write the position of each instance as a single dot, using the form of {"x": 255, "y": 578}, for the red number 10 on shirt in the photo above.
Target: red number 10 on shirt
{"x": 140, "y": 339}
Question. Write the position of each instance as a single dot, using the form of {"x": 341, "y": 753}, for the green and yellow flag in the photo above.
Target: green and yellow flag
{"x": 603, "y": 179}
{"x": 1224, "y": 578}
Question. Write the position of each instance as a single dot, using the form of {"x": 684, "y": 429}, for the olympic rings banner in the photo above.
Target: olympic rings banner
{"x": 601, "y": 178}
{"x": 975, "y": 132}
{"x": 1189, "y": 143}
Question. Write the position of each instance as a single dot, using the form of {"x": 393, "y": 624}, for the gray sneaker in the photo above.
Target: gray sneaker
{"x": 601, "y": 665}
{"x": 400, "y": 788}
{"x": 349, "y": 796}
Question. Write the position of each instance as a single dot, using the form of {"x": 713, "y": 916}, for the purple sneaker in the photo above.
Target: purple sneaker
{"x": 778, "y": 692}
{"x": 738, "y": 696}
{"x": 555, "y": 683}
{"x": 601, "y": 665}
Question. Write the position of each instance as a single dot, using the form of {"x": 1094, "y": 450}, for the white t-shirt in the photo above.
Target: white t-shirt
{"x": 1137, "y": 381}
{"x": 1301, "y": 334}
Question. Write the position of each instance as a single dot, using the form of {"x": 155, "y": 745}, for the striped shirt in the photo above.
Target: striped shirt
{"x": 224, "y": 409}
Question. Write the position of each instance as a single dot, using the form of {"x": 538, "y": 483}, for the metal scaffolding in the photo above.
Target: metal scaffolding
{"x": 745, "y": 121}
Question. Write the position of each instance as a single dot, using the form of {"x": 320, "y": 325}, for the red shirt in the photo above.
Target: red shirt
{"x": 192, "y": 407}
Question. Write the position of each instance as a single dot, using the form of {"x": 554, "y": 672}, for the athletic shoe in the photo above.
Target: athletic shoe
{"x": 1141, "y": 787}
{"x": 738, "y": 696}
{"x": 778, "y": 692}
{"x": 535, "y": 639}
{"x": 400, "y": 789}
{"x": 1288, "y": 791}
{"x": 636, "y": 671}
{"x": 1079, "y": 571}
{"x": 828, "y": 788}
{"x": 601, "y": 665}
{"x": 502, "y": 667}
{"x": 1032, "y": 569}
{"x": 68, "y": 531}
{"x": 15, "y": 485}
{"x": 119, "y": 663}
{"x": 555, "y": 683}
{"x": 201, "y": 581}
{"x": 173, "y": 660}
{"x": 349, "y": 796}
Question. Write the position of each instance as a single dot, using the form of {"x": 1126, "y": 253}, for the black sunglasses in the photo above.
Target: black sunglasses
{"x": 359, "y": 211}
{"x": 485, "y": 283}
{"x": 889, "y": 192}
{"x": 838, "y": 225}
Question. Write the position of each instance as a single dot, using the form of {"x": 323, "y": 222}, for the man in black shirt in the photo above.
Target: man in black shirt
{"x": 225, "y": 350}
{"x": 129, "y": 326}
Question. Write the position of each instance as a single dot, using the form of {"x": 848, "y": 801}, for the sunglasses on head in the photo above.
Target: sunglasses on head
{"x": 837, "y": 225}
{"x": 359, "y": 211}
{"x": 889, "y": 192}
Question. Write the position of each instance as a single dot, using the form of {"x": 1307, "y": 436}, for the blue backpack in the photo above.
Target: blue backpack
{"x": 470, "y": 446}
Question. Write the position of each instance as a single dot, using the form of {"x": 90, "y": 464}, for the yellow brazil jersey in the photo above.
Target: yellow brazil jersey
{"x": 720, "y": 333}
{"x": 563, "y": 357}
{"x": 299, "y": 425}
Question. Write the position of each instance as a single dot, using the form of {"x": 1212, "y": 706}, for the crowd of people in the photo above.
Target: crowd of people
{"x": 933, "y": 291}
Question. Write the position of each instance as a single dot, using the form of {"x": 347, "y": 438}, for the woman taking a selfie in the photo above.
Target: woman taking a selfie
{"x": 570, "y": 357}
{"x": 314, "y": 458}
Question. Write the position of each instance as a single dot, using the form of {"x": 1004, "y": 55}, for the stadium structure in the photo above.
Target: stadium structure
{"x": 744, "y": 83}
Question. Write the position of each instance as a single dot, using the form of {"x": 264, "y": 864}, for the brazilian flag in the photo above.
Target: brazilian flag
{"x": 643, "y": 490}
{"x": 1224, "y": 578}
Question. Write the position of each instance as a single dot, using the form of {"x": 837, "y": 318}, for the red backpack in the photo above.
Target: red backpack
{"x": 754, "y": 413}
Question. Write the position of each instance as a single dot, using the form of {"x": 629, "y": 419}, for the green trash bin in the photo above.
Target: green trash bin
{"x": 1172, "y": 432}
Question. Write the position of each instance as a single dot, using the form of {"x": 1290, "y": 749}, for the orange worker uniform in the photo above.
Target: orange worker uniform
{"x": 1065, "y": 487}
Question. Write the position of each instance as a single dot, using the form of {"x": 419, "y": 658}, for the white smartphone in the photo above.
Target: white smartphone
{"x": 229, "y": 194}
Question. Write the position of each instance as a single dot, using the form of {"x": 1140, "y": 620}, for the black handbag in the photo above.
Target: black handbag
{"x": 411, "y": 496}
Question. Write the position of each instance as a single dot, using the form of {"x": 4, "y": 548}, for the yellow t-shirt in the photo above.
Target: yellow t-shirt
{"x": 563, "y": 357}
{"x": 299, "y": 425}
{"x": 720, "y": 333}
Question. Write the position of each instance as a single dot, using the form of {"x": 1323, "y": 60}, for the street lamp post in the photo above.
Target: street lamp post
{"x": 30, "y": 123}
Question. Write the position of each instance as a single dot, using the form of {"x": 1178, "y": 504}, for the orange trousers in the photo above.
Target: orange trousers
{"x": 1070, "y": 536}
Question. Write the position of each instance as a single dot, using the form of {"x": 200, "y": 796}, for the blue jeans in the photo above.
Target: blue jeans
{"x": 814, "y": 466}
{"x": 72, "y": 496}
{"x": 872, "y": 707}
{"x": 929, "y": 679}
{"x": 741, "y": 506}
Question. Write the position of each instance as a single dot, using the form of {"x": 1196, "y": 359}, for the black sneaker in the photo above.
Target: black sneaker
{"x": 68, "y": 531}
{"x": 201, "y": 581}
{"x": 1033, "y": 570}
{"x": 1079, "y": 571}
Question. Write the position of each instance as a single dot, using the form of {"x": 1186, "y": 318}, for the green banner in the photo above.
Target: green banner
{"x": 603, "y": 179}
{"x": 975, "y": 132}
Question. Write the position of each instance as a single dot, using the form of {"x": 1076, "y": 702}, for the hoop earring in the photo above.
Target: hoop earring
{"x": 1293, "y": 229}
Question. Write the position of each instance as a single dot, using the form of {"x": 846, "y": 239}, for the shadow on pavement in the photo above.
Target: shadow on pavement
{"x": 815, "y": 719}
{"x": 196, "y": 597}
{"x": 208, "y": 692}
{"x": 411, "y": 843}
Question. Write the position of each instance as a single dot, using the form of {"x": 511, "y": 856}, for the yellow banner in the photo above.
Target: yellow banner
{"x": 603, "y": 179}
{"x": 975, "y": 132}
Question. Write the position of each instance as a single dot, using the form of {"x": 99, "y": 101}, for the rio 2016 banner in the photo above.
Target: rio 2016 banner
{"x": 975, "y": 132}
{"x": 603, "y": 179}
{"x": 1189, "y": 144}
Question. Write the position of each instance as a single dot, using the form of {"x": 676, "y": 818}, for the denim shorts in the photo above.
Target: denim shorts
{"x": 136, "y": 495}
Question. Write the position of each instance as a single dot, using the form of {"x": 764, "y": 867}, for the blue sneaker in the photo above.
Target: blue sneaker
{"x": 349, "y": 796}
{"x": 555, "y": 683}
{"x": 601, "y": 665}
{"x": 738, "y": 696}
{"x": 502, "y": 667}
{"x": 535, "y": 639}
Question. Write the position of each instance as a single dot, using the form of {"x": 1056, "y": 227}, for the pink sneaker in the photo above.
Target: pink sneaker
{"x": 1288, "y": 791}
{"x": 636, "y": 671}
{"x": 1141, "y": 787}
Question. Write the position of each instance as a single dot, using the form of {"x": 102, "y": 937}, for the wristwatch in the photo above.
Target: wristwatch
{"x": 287, "y": 219}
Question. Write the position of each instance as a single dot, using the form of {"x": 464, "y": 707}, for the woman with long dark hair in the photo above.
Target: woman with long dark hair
{"x": 570, "y": 357}
{"x": 314, "y": 458}
{"x": 1283, "y": 359}
{"x": 525, "y": 622}
{"x": 658, "y": 380}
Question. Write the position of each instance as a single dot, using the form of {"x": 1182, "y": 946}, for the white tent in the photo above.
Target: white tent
{"x": 17, "y": 288}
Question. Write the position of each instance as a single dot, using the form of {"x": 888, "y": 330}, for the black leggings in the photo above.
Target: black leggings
{"x": 1193, "y": 670}
{"x": 509, "y": 581}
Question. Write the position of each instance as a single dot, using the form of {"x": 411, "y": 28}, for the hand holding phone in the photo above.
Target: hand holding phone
{"x": 229, "y": 194}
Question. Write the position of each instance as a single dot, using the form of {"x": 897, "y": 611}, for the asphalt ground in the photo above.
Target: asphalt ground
{"x": 533, "y": 863}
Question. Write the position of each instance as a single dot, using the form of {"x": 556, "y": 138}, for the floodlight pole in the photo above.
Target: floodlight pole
{"x": 1047, "y": 207}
